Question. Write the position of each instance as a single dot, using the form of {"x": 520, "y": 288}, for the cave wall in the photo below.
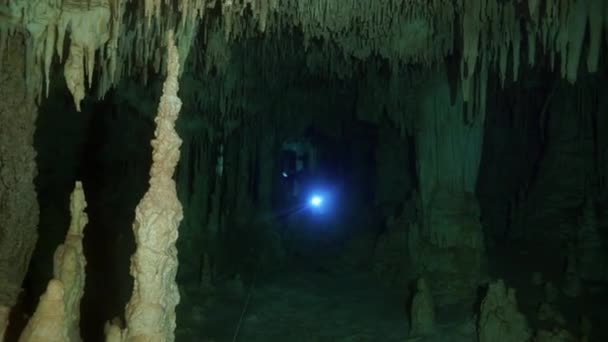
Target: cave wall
{"x": 568, "y": 172}
{"x": 446, "y": 244}
{"x": 395, "y": 169}
{"x": 18, "y": 199}
{"x": 602, "y": 154}
{"x": 512, "y": 149}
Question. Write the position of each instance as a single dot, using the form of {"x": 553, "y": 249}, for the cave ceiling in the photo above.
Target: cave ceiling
{"x": 98, "y": 43}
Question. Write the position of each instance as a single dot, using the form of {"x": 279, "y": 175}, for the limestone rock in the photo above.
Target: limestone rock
{"x": 500, "y": 319}
{"x": 547, "y": 312}
{"x": 48, "y": 324}
{"x": 592, "y": 259}
{"x": 150, "y": 314}
{"x": 70, "y": 263}
{"x": 19, "y": 210}
{"x": 422, "y": 319}
{"x": 112, "y": 331}
{"x": 555, "y": 335}
{"x": 57, "y": 316}
{"x": 4, "y": 313}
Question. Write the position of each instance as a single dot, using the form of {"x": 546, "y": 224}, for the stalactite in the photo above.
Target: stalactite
{"x": 576, "y": 27}
{"x": 89, "y": 30}
{"x": 401, "y": 31}
{"x": 596, "y": 22}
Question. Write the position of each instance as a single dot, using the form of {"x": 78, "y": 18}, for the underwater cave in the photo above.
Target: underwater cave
{"x": 303, "y": 171}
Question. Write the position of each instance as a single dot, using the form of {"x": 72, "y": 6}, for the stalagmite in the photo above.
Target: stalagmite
{"x": 49, "y": 321}
{"x": 422, "y": 320}
{"x": 150, "y": 314}
{"x": 57, "y": 316}
{"x": 70, "y": 263}
{"x": 555, "y": 335}
{"x": 592, "y": 259}
{"x": 500, "y": 319}
{"x": 548, "y": 312}
{"x": 448, "y": 157}
{"x": 4, "y": 313}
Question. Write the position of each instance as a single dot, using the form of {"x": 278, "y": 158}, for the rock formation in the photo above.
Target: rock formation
{"x": 592, "y": 258}
{"x": 422, "y": 316}
{"x": 57, "y": 317}
{"x": 18, "y": 201}
{"x": 499, "y": 318}
{"x": 4, "y": 314}
{"x": 150, "y": 314}
{"x": 447, "y": 245}
{"x": 555, "y": 335}
{"x": 548, "y": 312}
{"x": 50, "y": 320}
{"x": 129, "y": 39}
{"x": 70, "y": 263}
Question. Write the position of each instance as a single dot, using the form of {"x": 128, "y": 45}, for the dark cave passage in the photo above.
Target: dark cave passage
{"x": 276, "y": 266}
{"x": 330, "y": 186}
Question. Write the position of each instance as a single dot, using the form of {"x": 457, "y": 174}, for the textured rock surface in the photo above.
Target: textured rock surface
{"x": 423, "y": 311}
{"x": 48, "y": 324}
{"x": 18, "y": 202}
{"x": 554, "y": 200}
{"x": 500, "y": 319}
{"x": 57, "y": 316}
{"x": 4, "y": 313}
{"x": 592, "y": 258}
{"x": 150, "y": 314}
{"x": 447, "y": 245}
{"x": 70, "y": 263}
{"x": 556, "y": 335}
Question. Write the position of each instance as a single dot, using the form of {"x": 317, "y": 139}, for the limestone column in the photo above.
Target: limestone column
{"x": 150, "y": 314}
{"x": 57, "y": 317}
{"x": 18, "y": 202}
{"x": 446, "y": 245}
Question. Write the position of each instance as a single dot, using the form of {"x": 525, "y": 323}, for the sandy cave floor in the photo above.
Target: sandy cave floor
{"x": 305, "y": 306}
{"x": 309, "y": 305}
